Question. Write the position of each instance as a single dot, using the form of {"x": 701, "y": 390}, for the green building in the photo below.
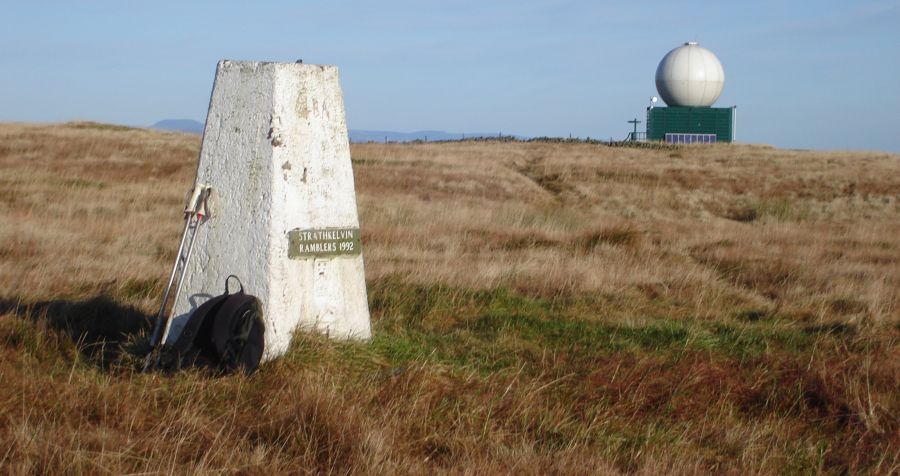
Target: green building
{"x": 682, "y": 124}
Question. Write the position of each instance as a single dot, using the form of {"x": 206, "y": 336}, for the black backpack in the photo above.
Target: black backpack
{"x": 224, "y": 334}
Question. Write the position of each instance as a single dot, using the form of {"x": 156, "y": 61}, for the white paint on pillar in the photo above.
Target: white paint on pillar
{"x": 276, "y": 154}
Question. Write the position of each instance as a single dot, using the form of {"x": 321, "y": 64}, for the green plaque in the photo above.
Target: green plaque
{"x": 323, "y": 242}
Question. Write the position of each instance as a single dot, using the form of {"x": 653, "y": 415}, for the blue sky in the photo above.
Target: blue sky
{"x": 821, "y": 75}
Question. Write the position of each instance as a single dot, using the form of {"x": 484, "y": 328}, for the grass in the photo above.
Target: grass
{"x": 543, "y": 307}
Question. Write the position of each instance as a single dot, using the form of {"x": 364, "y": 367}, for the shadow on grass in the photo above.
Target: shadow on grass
{"x": 103, "y": 330}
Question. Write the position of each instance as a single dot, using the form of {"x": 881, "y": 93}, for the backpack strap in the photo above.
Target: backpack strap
{"x": 184, "y": 346}
{"x": 238, "y": 332}
{"x": 192, "y": 327}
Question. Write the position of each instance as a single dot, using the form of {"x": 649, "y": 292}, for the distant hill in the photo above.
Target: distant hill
{"x": 180, "y": 125}
{"x": 356, "y": 135}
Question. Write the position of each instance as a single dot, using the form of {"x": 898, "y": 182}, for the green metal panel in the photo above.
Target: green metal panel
{"x": 690, "y": 120}
{"x": 315, "y": 243}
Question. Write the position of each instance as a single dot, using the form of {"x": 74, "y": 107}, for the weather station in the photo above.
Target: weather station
{"x": 690, "y": 79}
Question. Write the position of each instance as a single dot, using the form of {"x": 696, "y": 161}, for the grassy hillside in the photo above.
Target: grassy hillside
{"x": 537, "y": 308}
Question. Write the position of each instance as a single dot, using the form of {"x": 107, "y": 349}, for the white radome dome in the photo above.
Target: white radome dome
{"x": 690, "y": 75}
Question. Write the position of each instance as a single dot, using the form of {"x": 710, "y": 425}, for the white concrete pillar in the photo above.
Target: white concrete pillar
{"x": 284, "y": 219}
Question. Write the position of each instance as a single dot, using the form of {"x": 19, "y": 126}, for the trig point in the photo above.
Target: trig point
{"x": 283, "y": 207}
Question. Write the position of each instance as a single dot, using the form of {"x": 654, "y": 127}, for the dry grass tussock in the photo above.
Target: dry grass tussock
{"x": 538, "y": 308}
{"x": 804, "y": 233}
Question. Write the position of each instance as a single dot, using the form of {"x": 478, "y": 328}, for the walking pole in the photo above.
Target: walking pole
{"x": 194, "y": 212}
{"x": 200, "y": 217}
